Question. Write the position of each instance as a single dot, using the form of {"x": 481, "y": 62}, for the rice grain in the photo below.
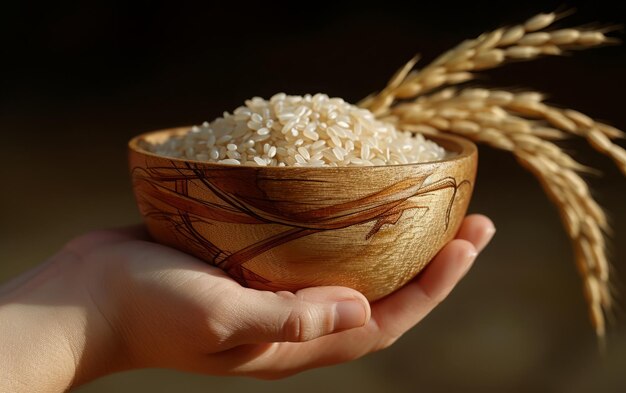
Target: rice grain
{"x": 310, "y": 130}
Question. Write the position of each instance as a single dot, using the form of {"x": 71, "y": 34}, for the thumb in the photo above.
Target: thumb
{"x": 301, "y": 316}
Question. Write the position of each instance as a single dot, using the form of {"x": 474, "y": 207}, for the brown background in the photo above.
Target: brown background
{"x": 77, "y": 82}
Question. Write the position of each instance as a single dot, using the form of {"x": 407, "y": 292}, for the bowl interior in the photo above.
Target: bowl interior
{"x": 460, "y": 147}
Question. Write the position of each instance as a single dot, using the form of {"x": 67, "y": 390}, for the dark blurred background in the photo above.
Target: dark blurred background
{"x": 78, "y": 79}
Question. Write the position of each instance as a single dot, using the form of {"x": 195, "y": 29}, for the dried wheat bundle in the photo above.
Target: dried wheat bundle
{"x": 520, "y": 123}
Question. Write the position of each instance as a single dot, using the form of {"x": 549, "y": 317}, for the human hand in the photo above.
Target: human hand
{"x": 137, "y": 304}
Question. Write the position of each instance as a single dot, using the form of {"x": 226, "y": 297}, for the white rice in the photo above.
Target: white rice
{"x": 299, "y": 131}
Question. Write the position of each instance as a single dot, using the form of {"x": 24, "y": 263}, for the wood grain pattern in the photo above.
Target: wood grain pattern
{"x": 369, "y": 228}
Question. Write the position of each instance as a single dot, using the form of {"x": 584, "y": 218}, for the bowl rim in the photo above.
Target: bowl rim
{"x": 467, "y": 149}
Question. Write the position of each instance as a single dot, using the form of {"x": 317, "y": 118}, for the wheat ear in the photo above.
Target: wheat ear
{"x": 489, "y": 50}
{"x": 522, "y": 124}
{"x": 482, "y": 115}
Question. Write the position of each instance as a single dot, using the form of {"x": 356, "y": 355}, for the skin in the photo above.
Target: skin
{"x": 112, "y": 300}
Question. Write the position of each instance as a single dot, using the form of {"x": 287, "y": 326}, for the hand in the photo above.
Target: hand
{"x": 130, "y": 303}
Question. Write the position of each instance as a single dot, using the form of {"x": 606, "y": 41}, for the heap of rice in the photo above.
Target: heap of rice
{"x": 299, "y": 131}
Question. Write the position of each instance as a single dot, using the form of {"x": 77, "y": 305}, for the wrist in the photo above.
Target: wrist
{"x": 54, "y": 336}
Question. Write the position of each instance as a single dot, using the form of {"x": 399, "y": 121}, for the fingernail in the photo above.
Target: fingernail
{"x": 469, "y": 260}
{"x": 489, "y": 233}
{"x": 349, "y": 314}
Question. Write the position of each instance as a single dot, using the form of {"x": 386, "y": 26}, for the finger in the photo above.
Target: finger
{"x": 106, "y": 237}
{"x": 478, "y": 230}
{"x": 401, "y": 310}
{"x": 263, "y": 316}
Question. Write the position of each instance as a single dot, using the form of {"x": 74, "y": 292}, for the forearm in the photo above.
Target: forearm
{"x": 34, "y": 353}
{"x": 51, "y": 338}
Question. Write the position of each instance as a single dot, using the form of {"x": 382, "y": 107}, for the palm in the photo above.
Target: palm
{"x": 180, "y": 313}
{"x": 391, "y": 317}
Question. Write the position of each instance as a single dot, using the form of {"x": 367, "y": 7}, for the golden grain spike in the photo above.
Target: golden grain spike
{"x": 490, "y": 50}
{"x": 523, "y": 124}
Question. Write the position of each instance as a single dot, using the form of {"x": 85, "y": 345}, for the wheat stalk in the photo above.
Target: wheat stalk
{"x": 520, "y": 123}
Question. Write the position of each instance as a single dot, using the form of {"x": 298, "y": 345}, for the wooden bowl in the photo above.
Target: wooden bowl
{"x": 286, "y": 228}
